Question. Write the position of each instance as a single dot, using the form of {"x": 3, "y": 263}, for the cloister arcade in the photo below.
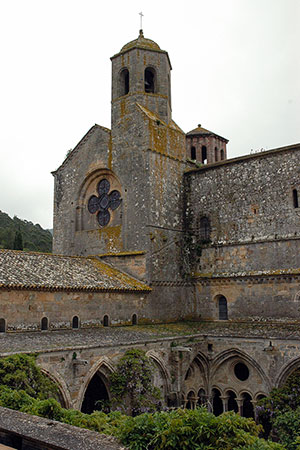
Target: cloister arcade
{"x": 230, "y": 381}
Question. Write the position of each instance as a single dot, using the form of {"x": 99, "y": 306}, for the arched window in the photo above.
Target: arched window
{"x": 204, "y": 155}
{"x": 295, "y": 198}
{"x": 134, "y": 319}
{"x": 75, "y": 322}
{"x": 106, "y": 321}
{"x": 217, "y": 402}
{"x": 232, "y": 403}
{"x": 223, "y": 312}
{"x": 216, "y": 154}
{"x": 124, "y": 82}
{"x": 201, "y": 397}
{"x": 150, "y": 80}
{"x": 190, "y": 404}
{"x": 247, "y": 409}
{"x": 44, "y": 324}
{"x": 193, "y": 153}
{"x": 2, "y": 326}
{"x": 204, "y": 229}
{"x": 222, "y": 154}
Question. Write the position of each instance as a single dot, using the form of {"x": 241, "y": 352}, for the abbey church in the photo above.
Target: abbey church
{"x": 162, "y": 243}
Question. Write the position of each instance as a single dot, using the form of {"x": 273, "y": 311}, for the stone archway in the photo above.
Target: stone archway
{"x": 286, "y": 371}
{"x": 235, "y": 371}
{"x": 96, "y": 396}
{"x": 94, "y": 392}
{"x": 161, "y": 376}
{"x": 64, "y": 397}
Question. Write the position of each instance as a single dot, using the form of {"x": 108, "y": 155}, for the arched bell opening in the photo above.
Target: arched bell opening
{"x": 96, "y": 397}
{"x": 150, "y": 80}
{"x": 124, "y": 82}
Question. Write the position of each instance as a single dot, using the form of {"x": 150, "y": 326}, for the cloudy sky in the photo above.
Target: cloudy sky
{"x": 236, "y": 70}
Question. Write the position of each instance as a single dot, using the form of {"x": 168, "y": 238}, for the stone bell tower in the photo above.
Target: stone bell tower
{"x": 141, "y": 74}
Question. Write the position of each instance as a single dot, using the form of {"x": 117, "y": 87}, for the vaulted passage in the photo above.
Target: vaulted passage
{"x": 96, "y": 396}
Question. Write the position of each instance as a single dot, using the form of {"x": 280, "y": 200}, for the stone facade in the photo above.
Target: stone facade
{"x": 143, "y": 235}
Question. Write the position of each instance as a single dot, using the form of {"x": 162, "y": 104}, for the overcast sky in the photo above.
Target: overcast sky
{"x": 236, "y": 70}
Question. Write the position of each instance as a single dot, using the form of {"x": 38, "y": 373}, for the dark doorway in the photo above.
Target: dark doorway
{"x": 96, "y": 396}
{"x": 44, "y": 324}
{"x": 232, "y": 404}
{"x": 75, "y": 322}
{"x": 248, "y": 410}
{"x": 217, "y": 402}
{"x": 134, "y": 319}
{"x": 105, "y": 321}
{"x": 223, "y": 312}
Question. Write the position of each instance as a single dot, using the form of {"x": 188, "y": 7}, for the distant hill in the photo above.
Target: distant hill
{"x": 34, "y": 237}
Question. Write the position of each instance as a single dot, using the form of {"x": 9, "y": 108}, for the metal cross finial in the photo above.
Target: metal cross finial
{"x": 141, "y": 20}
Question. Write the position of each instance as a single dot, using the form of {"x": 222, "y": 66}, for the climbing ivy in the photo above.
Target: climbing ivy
{"x": 131, "y": 384}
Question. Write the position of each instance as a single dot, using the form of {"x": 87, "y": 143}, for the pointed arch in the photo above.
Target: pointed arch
{"x": 64, "y": 394}
{"x": 158, "y": 361}
{"x": 286, "y": 371}
{"x": 104, "y": 367}
{"x": 236, "y": 353}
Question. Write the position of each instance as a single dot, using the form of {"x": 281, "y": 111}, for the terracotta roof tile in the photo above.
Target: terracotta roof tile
{"x": 42, "y": 271}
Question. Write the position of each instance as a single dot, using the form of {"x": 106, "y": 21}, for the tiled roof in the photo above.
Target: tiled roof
{"x": 42, "y": 271}
{"x": 141, "y": 42}
{"x": 203, "y": 131}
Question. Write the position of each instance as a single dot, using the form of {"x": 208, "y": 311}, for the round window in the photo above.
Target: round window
{"x": 241, "y": 371}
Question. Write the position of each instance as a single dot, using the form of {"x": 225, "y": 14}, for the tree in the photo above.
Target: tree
{"x": 18, "y": 242}
{"x": 131, "y": 384}
{"x": 279, "y": 413}
{"x": 20, "y": 372}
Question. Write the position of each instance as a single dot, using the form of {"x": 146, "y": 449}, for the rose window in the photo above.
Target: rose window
{"x": 104, "y": 202}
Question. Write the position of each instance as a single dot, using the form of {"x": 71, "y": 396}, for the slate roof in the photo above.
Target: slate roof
{"x": 43, "y": 271}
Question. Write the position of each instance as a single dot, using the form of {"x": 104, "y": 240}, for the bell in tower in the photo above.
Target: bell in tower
{"x": 141, "y": 74}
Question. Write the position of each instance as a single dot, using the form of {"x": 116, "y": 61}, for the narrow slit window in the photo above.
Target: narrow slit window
{"x": 222, "y": 154}
{"x": 223, "y": 311}
{"x": 295, "y": 198}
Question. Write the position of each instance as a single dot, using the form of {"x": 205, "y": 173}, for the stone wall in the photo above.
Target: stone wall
{"x": 254, "y": 231}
